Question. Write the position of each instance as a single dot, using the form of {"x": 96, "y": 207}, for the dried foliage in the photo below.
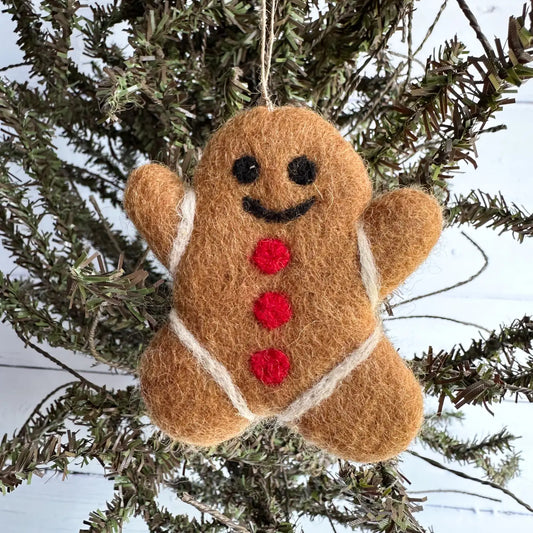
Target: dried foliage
{"x": 484, "y": 372}
{"x": 84, "y": 285}
{"x": 481, "y": 209}
{"x": 479, "y": 452}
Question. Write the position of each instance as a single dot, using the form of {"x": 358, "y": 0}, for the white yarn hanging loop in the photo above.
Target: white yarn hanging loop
{"x": 266, "y": 50}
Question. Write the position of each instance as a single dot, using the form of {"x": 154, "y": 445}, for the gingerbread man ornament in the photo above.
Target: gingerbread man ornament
{"x": 280, "y": 258}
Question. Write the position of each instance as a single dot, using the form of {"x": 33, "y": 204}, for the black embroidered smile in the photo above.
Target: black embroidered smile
{"x": 258, "y": 210}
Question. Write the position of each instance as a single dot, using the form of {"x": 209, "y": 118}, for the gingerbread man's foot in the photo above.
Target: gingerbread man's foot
{"x": 182, "y": 399}
{"x": 374, "y": 413}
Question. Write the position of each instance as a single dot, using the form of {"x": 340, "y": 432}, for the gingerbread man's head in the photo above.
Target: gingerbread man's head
{"x": 280, "y": 166}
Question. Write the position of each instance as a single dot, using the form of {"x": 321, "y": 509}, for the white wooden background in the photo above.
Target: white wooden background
{"x": 502, "y": 293}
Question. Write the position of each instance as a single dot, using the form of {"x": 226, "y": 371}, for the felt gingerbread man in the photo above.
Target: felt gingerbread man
{"x": 280, "y": 258}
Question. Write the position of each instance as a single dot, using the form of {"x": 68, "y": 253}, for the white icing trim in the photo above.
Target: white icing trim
{"x": 369, "y": 271}
{"x": 213, "y": 367}
{"x": 328, "y": 383}
{"x": 326, "y": 386}
{"x": 186, "y": 211}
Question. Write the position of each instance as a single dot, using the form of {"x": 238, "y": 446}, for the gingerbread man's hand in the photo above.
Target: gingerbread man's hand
{"x": 402, "y": 227}
{"x": 151, "y": 199}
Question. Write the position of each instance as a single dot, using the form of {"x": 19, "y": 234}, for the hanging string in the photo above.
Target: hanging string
{"x": 266, "y": 50}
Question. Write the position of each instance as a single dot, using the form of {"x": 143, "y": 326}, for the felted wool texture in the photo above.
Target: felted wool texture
{"x": 182, "y": 399}
{"x": 218, "y": 281}
{"x": 402, "y": 226}
{"x": 217, "y": 284}
{"x": 271, "y": 256}
{"x": 272, "y": 310}
{"x": 270, "y": 366}
{"x": 374, "y": 413}
{"x": 151, "y": 197}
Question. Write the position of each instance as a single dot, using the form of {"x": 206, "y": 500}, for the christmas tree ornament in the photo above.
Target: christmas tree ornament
{"x": 280, "y": 258}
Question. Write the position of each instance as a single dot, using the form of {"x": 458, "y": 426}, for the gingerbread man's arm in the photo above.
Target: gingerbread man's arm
{"x": 151, "y": 198}
{"x": 402, "y": 227}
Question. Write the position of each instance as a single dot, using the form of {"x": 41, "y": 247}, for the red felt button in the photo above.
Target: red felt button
{"x": 270, "y": 366}
{"x": 271, "y": 255}
{"x": 272, "y": 309}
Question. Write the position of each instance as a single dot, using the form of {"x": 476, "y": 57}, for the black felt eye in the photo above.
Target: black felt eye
{"x": 246, "y": 169}
{"x": 302, "y": 171}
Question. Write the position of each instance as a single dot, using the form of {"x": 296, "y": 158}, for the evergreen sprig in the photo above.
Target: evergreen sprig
{"x": 486, "y": 371}
{"x": 425, "y": 128}
{"x": 477, "y": 452}
{"x": 482, "y": 209}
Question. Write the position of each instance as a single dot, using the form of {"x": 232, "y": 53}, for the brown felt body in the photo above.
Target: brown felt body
{"x": 374, "y": 413}
{"x": 216, "y": 284}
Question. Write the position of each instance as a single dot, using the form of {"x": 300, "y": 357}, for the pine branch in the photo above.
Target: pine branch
{"x": 423, "y": 134}
{"x": 437, "y": 317}
{"x": 471, "y": 478}
{"x": 441, "y": 10}
{"x": 482, "y": 209}
{"x": 479, "y": 33}
{"x": 484, "y": 372}
{"x": 476, "y": 451}
{"x": 217, "y": 515}
{"x": 268, "y": 465}
{"x": 59, "y": 363}
{"x": 455, "y": 285}
{"x": 454, "y": 491}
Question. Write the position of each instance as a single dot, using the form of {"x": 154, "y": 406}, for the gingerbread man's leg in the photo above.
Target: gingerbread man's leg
{"x": 372, "y": 415}
{"x": 182, "y": 399}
